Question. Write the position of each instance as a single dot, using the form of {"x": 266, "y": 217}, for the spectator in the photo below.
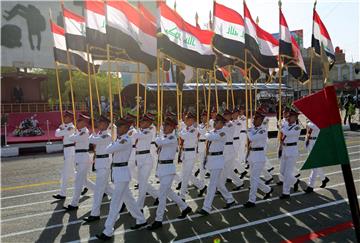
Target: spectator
{"x": 18, "y": 94}
{"x": 349, "y": 107}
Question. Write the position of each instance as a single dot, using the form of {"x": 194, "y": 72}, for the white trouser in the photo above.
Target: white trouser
{"x": 67, "y": 171}
{"x": 81, "y": 172}
{"x": 268, "y": 165}
{"x": 101, "y": 184}
{"x": 133, "y": 168}
{"x": 144, "y": 171}
{"x": 217, "y": 181}
{"x": 287, "y": 166}
{"x": 229, "y": 171}
{"x": 187, "y": 175}
{"x": 200, "y": 159}
{"x": 318, "y": 172}
{"x": 255, "y": 182}
{"x": 122, "y": 194}
{"x": 242, "y": 147}
{"x": 165, "y": 191}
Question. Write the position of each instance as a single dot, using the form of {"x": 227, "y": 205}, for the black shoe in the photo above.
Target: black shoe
{"x": 136, "y": 186}
{"x": 155, "y": 225}
{"x": 103, "y": 237}
{"x": 284, "y": 196}
{"x": 237, "y": 188}
{"x": 242, "y": 175}
{"x": 123, "y": 208}
{"x": 178, "y": 186}
{"x": 279, "y": 183}
{"x": 249, "y": 204}
{"x": 84, "y": 191}
{"x": 105, "y": 195}
{"x": 217, "y": 193}
{"x": 138, "y": 226}
{"x": 296, "y": 185}
{"x": 236, "y": 171}
{"x": 91, "y": 218}
{"x": 229, "y": 205}
{"x": 197, "y": 172}
{"x": 228, "y": 180}
{"x": 269, "y": 181}
{"x": 207, "y": 174}
{"x": 58, "y": 197}
{"x": 202, "y": 212}
{"x": 324, "y": 182}
{"x": 298, "y": 175}
{"x": 202, "y": 191}
{"x": 184, "y": 213}
{"x": 267, "y": 195}
{"x": 71, "y": 208}
{"x": 309, "y": 189}
{"x": 271, "y": 169}
{"x": 156, "y": 202}
{"x": 247, "y": 166}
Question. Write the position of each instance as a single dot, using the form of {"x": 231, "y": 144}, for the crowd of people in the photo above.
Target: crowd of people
{"x": 212, "y": 152}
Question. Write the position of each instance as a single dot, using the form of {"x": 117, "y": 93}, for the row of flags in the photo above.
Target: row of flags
{"x": 119, "y": 30}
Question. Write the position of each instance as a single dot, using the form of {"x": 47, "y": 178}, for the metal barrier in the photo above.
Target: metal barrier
{"x": 39, "y": 107}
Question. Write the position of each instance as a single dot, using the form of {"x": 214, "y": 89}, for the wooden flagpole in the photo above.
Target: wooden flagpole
{"x": 119, "y": 85}
{"x": 162, "y": 97}
{"x": 280, "y": 97}
{"x": 246, "y": 93}
{"x": 137, "y": 94}
{"x": 158, "y": 89}
{"x": 216, "y": 91}
{"x": 97, "y": 90}
{"x": 255, "y": 94}
{"x": 90, "y": 90}
{"x": 232, "y": 89}
{"x": 227, "y": 93}
{"x": 197, "y": 96}
{"x": 250, "y": 94}
{"x": 311, "y": 67}
{"x": 109, "y": 83}
{"x": 147, "y": 76}
{"x": 59, "y": 92}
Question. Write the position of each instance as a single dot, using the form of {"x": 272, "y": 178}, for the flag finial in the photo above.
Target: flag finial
{"x": 175, "y": 6}
{"x": 257, "y": 20}
{"x": 279, "y": 3}
{"x": 315, "y": 4}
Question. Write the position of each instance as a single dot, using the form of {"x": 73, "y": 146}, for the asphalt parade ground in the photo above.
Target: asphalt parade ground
{"x": 30, "y": 214}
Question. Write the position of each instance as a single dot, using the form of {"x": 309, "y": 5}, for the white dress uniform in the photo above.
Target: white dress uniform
{"x": 153, "y": 148}
{"x": 201, "y": 150}
{"x": 257, "y": 159}
{"x": 240, "y": 143}
{"x": 144, "y": 162}
{"x": 166, "y": 171}
{"x": 190, "y": 137}
{"x": 229, "y": 155}
{"x": 215, "y": 164}
{"x": 317, "y": 172}
{"x": 290, "y": 154}
{"x": 132, "y": 163}
{"x": 102, "y": 167}
{"x": 65, "y": 131}
{"x": 121, "y": 148}
{"x": 82, "y": 162}
{"x": 268, "y": 165}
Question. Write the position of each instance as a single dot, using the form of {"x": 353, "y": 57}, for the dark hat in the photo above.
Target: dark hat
{"x": 170, "y": 121}
{"x": 68, "y": 113}
{"x": 190, "y": 115}
{"x": 227, "y": 112}
{"x": 242, "y": 107}
{"x": 123, "y": 121}
{"x": 169, "y": 113}
{"x": 129, "y": 116}
{"x": 151, "y": 114}
{"x": 83, "y": 117}
{"x": 220, "y": 118}
{"x": 259, "y": 113}
{"x": 103, "y": 118}
{"x": 204, "y": 113}
{"x": 146, "y": 117}
{"x": 213, "y": 109}
{"x": 235, "y": 110}
{"x": 293, "y": 112}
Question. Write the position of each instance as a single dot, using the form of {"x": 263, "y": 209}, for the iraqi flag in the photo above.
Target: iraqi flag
{"x": 290, "y": 51}
{"x": 321, "y": 39}
{"x": 147, "y": 14}
{"x": 184, "y": 42}
{"x": 75, "y": 28}
{"x": 263, "y": 47}
{"x": 95, "y": 23}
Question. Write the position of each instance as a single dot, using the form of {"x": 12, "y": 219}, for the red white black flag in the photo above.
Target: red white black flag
{"x": 95, "y": 23}
{"x": 321, "y": 39}
{"x": 183, "y": 41}
{"x": 263, "y": 47}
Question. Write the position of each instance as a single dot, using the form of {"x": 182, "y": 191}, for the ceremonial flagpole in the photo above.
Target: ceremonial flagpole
{"x": 90, "y": 90}
{"x": 197, "y": 96}
{"x": 109, "y": 83}
{"x": 147, "y": 75}
{"x": 246, "y": 93}
{"x": 97, "y": 90}
{"x": 232, "y": 89}
{"x": 119, "y": 85}
{"x": 59, "y": 92}
{"x": 250, "y": 94}
{"x": 158, "y": 89}
{"x": 137, "y": 94}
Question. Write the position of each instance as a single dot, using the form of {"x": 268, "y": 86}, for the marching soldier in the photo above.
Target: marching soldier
{"x": 257, "y": 136}
{"x": 102, "y": 165}
{"x": 311, "y": 136}
{"x": 121, "y": 148}
{"x": 82, "y": 159}
{"x": 239, "y": 121}
{"x": 131, "y": 132}
{"x": 290, "y": 153}
{"x": 65, "y": 130}
{"x": 214, "y": 162}
{"x": 166, "y": 171}
{"x": 189, "y": 135}
{"x": 229, "y": 152}
{"x": 144, "y": 160}
{"x": 201, "y": 149}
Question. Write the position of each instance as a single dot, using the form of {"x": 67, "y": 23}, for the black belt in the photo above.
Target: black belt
{"x": 101, "y": 156}
{"x": 202, "y": 140}
{"x": 134, "y": 146}
{"x": 257, "y": 149}
{"x": 188, "y": 149}
{"x": 215, "y": 153}
{"x": 119, "y": 164}
{"x": 313, "y": 138}
{"x": 290, "y": 144}
{"x": 243, "y": 131}
{"x": 153, "y": 142}
{"x": 81, "y": 150}
{"x": 69, "y": 145}
{"x": 143, "y": 152}
{"x": 165, "y": 161}
{"x": 236, "y": 138}
{"x": 229, "y": 143}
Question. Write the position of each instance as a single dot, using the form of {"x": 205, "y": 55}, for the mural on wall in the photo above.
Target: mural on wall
{"x": 36, "y": 24}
